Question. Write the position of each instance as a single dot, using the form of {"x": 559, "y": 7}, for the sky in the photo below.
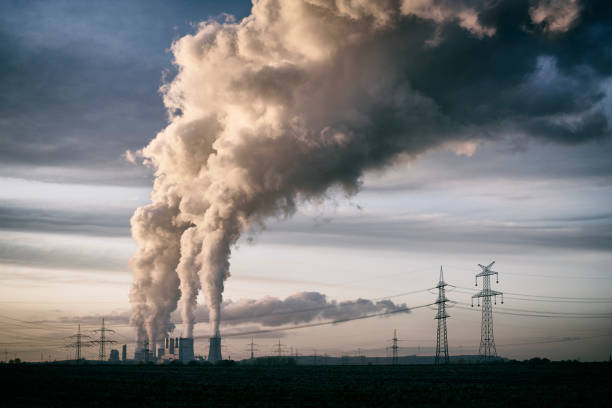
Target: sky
{"x": 513, "y": 165}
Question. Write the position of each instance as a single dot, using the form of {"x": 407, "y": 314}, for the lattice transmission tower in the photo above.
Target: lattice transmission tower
{"x": 395, "y": 348}
{"x": 442, "y": 335}
{"x": 487, "y": 341}
{"x": 78, "y": 343}
{"x": 103, "y": 341}
{"x": 279, "y": 348}
{"x": 252, "y": 349}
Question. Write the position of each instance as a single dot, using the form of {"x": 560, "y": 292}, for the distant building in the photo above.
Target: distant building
{"x": 185, "y": 349}
{"x": 124, "y": 353}
{"x": 114, "y": 356}
{"x": 176, "y": 349}
{"x": 214, "y": 350}
{"x": 144, "y": 354}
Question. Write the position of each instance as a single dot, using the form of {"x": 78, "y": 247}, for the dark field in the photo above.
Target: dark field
{"x": 495, "y": 385}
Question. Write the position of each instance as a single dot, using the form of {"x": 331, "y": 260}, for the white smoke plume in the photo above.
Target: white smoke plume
{"x": 273, "y": 110}
{"x": 301, "y": 307}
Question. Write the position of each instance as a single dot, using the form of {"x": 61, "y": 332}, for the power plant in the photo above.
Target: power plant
{"x": 181, "y": 349}
{"x": 174, "y": 349}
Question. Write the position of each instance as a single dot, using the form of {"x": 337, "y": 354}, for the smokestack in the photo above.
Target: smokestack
{"x": 214, "y": 351}
{"x": 124, "y": 353}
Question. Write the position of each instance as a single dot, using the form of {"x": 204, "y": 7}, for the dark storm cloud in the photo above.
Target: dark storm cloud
{"x": 521, "y": 80}
{"x": 79, "y": 84}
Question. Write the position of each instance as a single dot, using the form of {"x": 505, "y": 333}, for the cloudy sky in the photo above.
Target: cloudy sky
{"x": 496, "y": 146}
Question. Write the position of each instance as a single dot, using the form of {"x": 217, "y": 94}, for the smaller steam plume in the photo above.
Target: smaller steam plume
{"x": 299, "y": 308}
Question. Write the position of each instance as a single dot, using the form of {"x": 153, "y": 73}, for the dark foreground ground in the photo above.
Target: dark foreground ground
{"x": 495, "y": 385}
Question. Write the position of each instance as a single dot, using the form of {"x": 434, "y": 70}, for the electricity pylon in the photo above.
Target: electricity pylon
{"x": 279, "y": 348}
{"x": 487, "y": 342}
{"x": 78, "y": 343}
{"x": 102, "y": 341}
{"x": 252, "y": 349}
{"x": 395, "y": 347}
{"x": 441, "y": 337}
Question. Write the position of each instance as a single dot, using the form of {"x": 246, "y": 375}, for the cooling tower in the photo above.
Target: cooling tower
{"x": 214, "y": 352}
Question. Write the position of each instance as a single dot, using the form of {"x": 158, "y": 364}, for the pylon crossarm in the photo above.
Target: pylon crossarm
{"x": 487, "y": 293}
{"x": 486, "y": 273}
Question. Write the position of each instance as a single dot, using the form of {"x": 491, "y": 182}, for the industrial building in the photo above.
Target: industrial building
{"x": 214, "y": 350}
{"x": 176, "y": 349}
{"x": 144, "y": 354}
{"x": 114, "y": 356}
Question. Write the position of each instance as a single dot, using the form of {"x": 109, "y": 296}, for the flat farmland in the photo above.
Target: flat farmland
{"x": 494, "y": 385}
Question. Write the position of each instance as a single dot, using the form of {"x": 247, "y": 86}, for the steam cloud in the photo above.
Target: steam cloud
{"x": 302, "y": 307}
{"x": 304, "y": 95}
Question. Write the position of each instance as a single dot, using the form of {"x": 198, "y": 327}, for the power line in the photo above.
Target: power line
{"x": 562, "y": 340}
{"x": 603, "y": 300}
{"x": 327, "y": 323}
{"x": 545, "y": 314}
{"x": 544, "y": 276}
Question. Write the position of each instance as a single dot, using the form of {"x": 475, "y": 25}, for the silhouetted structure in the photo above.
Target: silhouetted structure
{"x": 487, "y": 342}
{"x": 114, "y": 356}
{"x": 252, "y": 349}
{"x": 144, "y": 354}
{"x": 279, "y": 348}
{"x": 395, "y": 348}
{"x": 78, "y": 343}
{"x": 176, "y": 349}
{"x": 124, "y": 353}
{"x": 214, "y": 349}
{"x": 441, "y": 336}
{"x": 103, "y": 341}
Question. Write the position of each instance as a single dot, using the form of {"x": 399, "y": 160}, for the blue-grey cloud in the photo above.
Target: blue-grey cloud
{"x": 93, "y": 222}
{"x": 448, "y": 233}
{"x": 79, "y": 82}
